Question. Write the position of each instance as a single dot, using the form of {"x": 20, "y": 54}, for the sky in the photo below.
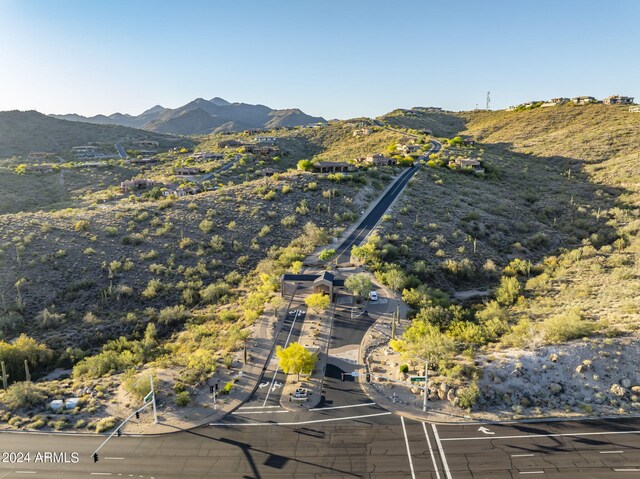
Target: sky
{"x": 330, "y": 58}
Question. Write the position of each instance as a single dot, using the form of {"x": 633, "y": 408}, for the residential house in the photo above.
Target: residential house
{"x": 377, "y": 159}
{"x": 139, "y": 184}
{"x": 147, "y": 152}
{"x": 82, "y": 152}
{"x": 408, "y": 149}
{"x": 265, "y": 140}
{"x": 182, "y": 190}
{"x": 40, "y": 169}
{"x": 634, "y": 109}
{"x": 186, "y": 171}
{"x": 206, "y": 155}
{"x": 332, "y": 167}
{"x": 146, "y": 143}
{"x": 361, "y": 132}
{"x": 269, "y": 172}
{"x": 143, "y": 161}
{"x": 583, "y": 100}
{"x": 467, "y": 164}
{"x": 266, "y": 151}
{"x": 229, "y": 144}
{"x": 618, "y": 100}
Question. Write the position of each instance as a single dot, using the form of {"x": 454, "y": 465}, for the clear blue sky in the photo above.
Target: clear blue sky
{"x": 335, "y": 58}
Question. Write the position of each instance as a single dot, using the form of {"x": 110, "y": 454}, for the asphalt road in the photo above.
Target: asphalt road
{"x": 222, "y": 169}
{"x": 370, "y": 221}
{"x": 121, "y": 152}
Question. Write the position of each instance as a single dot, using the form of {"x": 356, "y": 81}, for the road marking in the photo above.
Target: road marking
{"x": 25, "y": 472}
{"x": 299, "y": 423}
{"x": 525, "y": 436}
{"x": 485, "y": 430}
{"x": 433, "y": 457}
{"x": 102, "y": 474}
{"x": 278, "y": 368}
{"x": 442, "y": 456}
{"x": 115, "y": 458}
{"x": 611, "y": 452}
{"x": 259, "y": 412}
{"x": 522, "y": 455}
{"x": 406, "y": 441}
{"x": 258, "y": 407}
{"x": 627, "y": 470}
{"x": 342, "y": 407}
{"x": 531, "y": 472}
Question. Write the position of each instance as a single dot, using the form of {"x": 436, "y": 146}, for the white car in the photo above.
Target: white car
{"x": 373, "y": 296}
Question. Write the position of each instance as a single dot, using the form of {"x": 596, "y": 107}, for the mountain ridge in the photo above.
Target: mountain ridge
{"x": 219, "y": 115}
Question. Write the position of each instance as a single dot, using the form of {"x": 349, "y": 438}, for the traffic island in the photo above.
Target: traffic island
{"x": 305, "y": 392}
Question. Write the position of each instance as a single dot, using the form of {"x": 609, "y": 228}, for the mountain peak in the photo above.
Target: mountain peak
{"x": 219, "y": 101}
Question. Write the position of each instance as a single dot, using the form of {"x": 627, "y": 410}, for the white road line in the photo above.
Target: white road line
{"x": 259, "y": 412}
{"x": 342, "y": 407}
{"x": 525, "y": 436}
{"x": 100, "y": 473}
{"x": 433, "y": 457}
{"x": 531, "y": 472}
{"x": 257, "y": 407}
{"x": 25, "y": 472}
{"x": 278, "y": 368}
{"x": 114, "y": 458}
{"x": 442, "y": 456}
{"x": 298, "y": 423}
{"x": 627, "y": 470}
{"x": 522, "y": 455}
{"x": 406, "y": 441}
{"x": 611, "y": 452}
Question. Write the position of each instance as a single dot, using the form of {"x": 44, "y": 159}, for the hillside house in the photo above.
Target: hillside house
{"x": 268, "y": 172}
{"x": 266, "y": 151}
{"x": 408, "y": 149}
{"x": 139, "y": 184}
{"x": 467, "y": 164}
{"x": 186, "y": 171}
{"x": 39, "y": 169}
{"x": 469, "y": 142}
{"x": 618, "y": 100}
{"x": 325, "y": 282}
{"x": 229, "y": 144}
{"x": 206, "y": 155}
{"x": 265, "y": 140}
{"x": 555, "y": 102}
{"x": 634, "y": 109}
{"x": 583, "y": 100}
{"x": 332, "y": 167}
{"x": 377, "y": 159}
{"x": 143, "y": 161}
{"x": 84, "y": 152}
{"x": 146, "y": 144}
{"x": 361, "y": 132}
{"x": 182, "y": 190}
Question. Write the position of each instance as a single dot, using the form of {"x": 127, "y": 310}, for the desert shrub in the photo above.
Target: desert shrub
{"x": 136, "y": 385}
{"x": 173, "y": 314}
{"x": 149, "y": 255}
{"x": 206, "y": 225}
{"x": 24, "y": 395}
{"x": 82, "y": 225}
{"x": 508, "y": 291}
{"x": 404, "y": 368}
{"x": 520, "y": 335}
{"x": 469, "y": 395}
{"x": 105, "y": 424}
{"x": 286, "y": 189}
{"x": 105, "y": 362}
{"x": 214, "y": 292}
{"x": 48, "y": 318}
{"x": 467, "y": 332}
{"x": 23, "y": 348}
{"x": 182, "y": 399}
{"x": 266, "y": 229}
{"x": 289, "y": 221}
{"x": 133, "y": 239}
{"x": 154, "y": 287}
{"x": 560, "y": 328}
{"x": 226, "y": 389}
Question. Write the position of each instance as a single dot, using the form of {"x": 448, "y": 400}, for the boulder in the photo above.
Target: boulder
{"x": 625, "y": 383}
{"x": 555, "y": 388}
{"x": 635, "y": 389}
{"x": 497, "y": 380}
{"x": 451, "y": 395}
{"x": 441, "y": 394}
{"x": 444, "y": 387}
{"x": 581, "y": 368}
{"x": 553, "y": 358}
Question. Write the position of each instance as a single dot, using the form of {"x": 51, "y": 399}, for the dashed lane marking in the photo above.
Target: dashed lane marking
{"x": 342, "y": 407}
{"x": 611, "y": 452}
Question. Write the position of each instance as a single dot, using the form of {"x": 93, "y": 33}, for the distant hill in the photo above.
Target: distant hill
{"x": 202, "y": 116}
{"x": 23, "y": 132}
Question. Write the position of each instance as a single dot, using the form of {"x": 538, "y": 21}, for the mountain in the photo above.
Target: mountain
{"x": 202, "y": 116}
{"x": 23, "y": 132}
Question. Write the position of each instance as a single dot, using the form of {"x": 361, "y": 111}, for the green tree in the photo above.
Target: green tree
{"x": 318, "y": 302}
{"x": 305, "y": 165}
{"x": 296, "y": 359}
{"x": 395, "y": 278}
{"x": 359, "y": 284}
{"x": 423, "y": 341}
{"x": 296, "y": 267}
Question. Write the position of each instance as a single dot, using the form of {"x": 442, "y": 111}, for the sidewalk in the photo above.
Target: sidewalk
{"x": 315, "y": 336}
{"x": 259, "y": 348}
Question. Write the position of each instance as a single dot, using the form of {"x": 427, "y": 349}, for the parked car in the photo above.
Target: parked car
{"x": 373, "y": 296}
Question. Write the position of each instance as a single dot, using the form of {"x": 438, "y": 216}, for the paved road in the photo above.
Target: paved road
{"x": 222, "y": 169}
{"x": 121, "y": 151}
{"x": 366, "y": 226}
{"x": 346, "y": 443}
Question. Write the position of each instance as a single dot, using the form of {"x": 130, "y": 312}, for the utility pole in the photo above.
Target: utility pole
{"x": 26, "y": 371}
{"x": 488, "y": 99}
{"x": 4, "y": 376}
{"x": 426, "y": 385}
